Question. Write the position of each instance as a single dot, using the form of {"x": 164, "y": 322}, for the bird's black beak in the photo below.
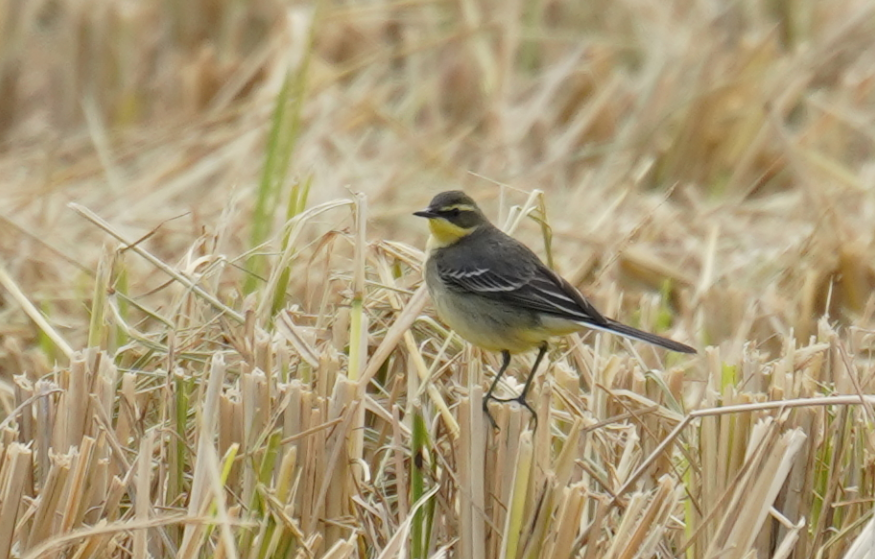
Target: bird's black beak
{"x": 427, "y": 213}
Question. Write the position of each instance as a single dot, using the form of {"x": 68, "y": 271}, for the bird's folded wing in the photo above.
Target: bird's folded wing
{"x": 535, "y": 288}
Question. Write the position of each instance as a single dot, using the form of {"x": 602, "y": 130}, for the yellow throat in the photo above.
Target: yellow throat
{"x": 444, "y": 233}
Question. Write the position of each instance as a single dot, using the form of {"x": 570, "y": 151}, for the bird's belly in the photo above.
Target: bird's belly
{"x": 487, "y": 324}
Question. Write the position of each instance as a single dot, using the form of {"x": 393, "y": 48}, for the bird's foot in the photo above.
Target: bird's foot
{"x": 489, "y": 414}
{"x": 521, "y": 400}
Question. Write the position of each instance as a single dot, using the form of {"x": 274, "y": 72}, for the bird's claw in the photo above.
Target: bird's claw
{"x": 521, "y": 400}
{"x": 489, "y": 414}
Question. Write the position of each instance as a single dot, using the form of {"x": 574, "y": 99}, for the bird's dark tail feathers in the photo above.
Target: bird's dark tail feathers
{"x": 621, "y": 329}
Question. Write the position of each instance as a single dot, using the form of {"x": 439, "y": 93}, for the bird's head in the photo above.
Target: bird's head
{"x": 451, "y": 216}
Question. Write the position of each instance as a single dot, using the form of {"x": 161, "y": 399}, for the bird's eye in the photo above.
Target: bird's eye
{"x": 454, "y": 212}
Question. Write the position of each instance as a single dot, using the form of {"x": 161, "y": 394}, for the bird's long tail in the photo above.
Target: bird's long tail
{"x": 621, "y": 329}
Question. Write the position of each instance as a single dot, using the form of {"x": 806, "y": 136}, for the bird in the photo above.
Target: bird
{"x": 496, "y": 293}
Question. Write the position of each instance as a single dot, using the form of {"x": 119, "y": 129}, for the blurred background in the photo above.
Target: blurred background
{"x": 722, "y": 150}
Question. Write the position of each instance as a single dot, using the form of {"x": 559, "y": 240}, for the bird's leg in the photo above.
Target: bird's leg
{"x": 521, "y": 399}
{"x": 538, "y": 359}
{"x": 505, "y": 363}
